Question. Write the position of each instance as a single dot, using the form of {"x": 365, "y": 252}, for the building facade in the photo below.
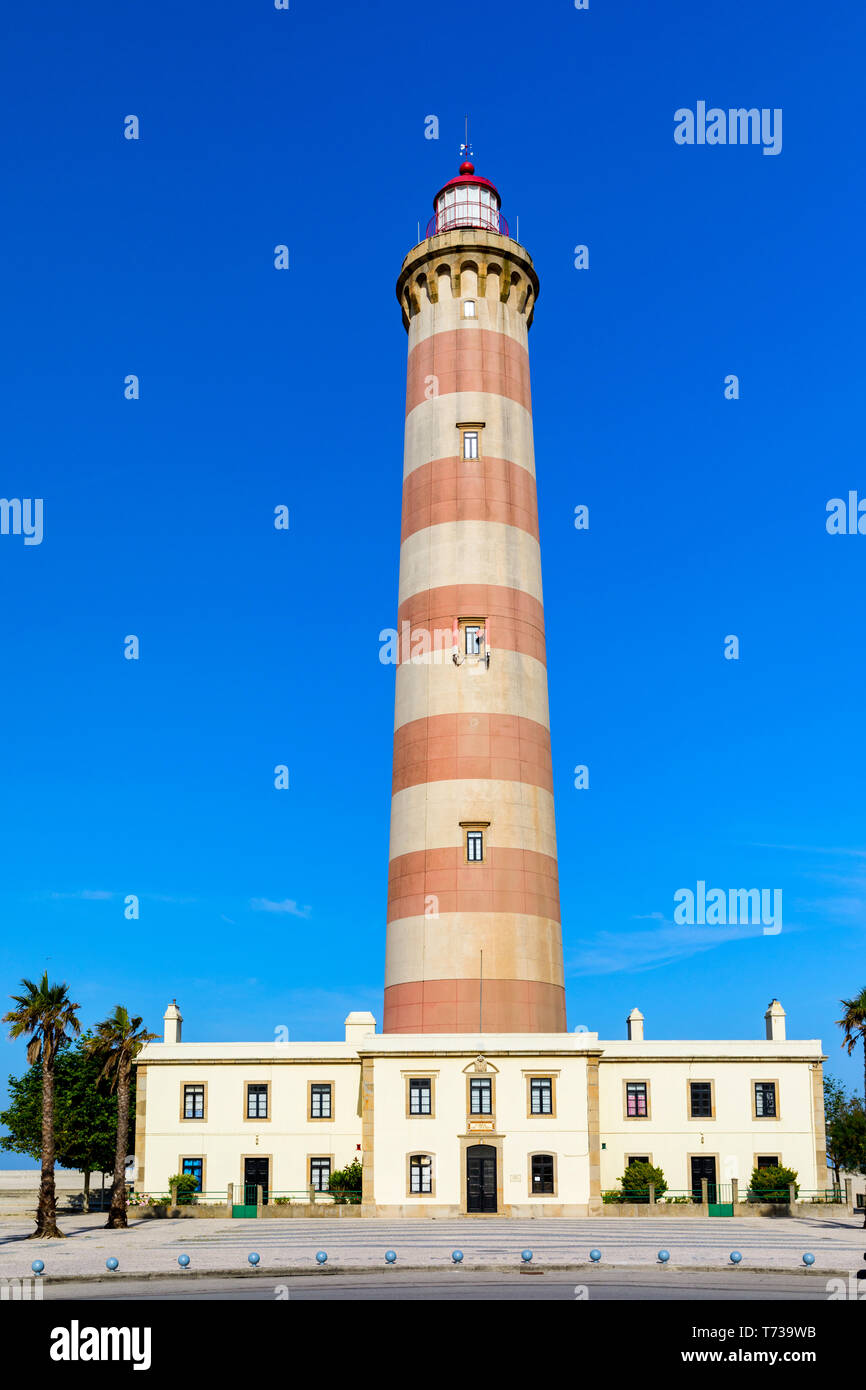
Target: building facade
{"x": 499, "y": 1124}
{"x": 474, "y": 1098}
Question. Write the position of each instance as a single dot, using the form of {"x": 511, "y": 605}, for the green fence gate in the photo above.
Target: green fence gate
{"x": 721, "y": 1199}
{"x": 248, "y": 1206}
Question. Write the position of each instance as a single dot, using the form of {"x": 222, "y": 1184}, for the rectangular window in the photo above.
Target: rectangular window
{"x": 470, "y": 444}
{"x": 257, "y": 1102}
{"x": 193, "y": 1102}
{"x": 475, "y": 846}
{"x": 637, "y": 1158}
{"x": 420, "y": 1095}
{"x": 636, "y": 1100}
{"x": 765, "y": 1099}
{"x": 473, "y": 639}
{"x": 320, "y": 1174}
{"x": 541, "y": 1095}
{"x": 193, "y": 1167}
{"x": 480, "y": 1096}
{"x": 420, "y": 1173}
{"x": 469, "y": 308}
{"x": 320, "y": 1101}
{"x": 542, "y": 1173}
{"x": 767, "y": 1161}
{"x": 701, "y": 1100}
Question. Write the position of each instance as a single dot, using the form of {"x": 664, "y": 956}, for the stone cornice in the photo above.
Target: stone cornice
{"x": 487, "y": 249}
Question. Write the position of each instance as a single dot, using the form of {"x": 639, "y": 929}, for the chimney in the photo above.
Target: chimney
{"x": 359, "y": 1026}
{"x": 775, "y": 1021}
{"x": 634, "y": 1023}
{"x": 172, "y": 1019}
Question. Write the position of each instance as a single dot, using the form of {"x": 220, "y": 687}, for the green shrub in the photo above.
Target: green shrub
{"x": 771, "y": 1184}
{"x": 345, "y": 1184}
{"x": 636, "y": 1181}
{"x": 187, "y": 1186}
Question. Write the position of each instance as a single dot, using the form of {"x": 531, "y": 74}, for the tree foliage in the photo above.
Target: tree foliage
{"x": 85, "y": 1112}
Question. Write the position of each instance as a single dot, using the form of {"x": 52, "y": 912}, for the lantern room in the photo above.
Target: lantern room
{"x": 467, "y": 201}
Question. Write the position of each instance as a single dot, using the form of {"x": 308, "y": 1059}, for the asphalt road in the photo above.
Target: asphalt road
{"x": 461, "y": 1284}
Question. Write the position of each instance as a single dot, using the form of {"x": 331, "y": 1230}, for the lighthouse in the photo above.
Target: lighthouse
{"x": 473, "y": 933}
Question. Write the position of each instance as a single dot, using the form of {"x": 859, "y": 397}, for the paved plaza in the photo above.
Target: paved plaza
{"x": 151, "y": 1246}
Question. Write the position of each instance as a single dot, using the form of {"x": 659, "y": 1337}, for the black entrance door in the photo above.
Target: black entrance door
{"x": 255, "y": 1175}
{"x": 703, "y": 1168}
{"x": 481, "y": 1178}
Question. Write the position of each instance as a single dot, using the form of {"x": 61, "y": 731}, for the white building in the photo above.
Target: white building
{"x": 474, "y": 1123}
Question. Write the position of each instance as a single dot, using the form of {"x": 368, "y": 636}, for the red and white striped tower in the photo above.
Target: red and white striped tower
{"x": 474, "y": 940}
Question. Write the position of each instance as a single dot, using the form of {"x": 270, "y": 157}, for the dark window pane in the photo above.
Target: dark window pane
{"x": 702, "y": 1099}
{"x": 257, "y": 1102}
{"x": 320, "y": 1101}
{"x": 635, "y": 1092}
{"x": 480, "y": 1096}
{"x": 541, "y": 1095}
{"x": 542, "y": 1172}
{"x": 420, "y": 1095}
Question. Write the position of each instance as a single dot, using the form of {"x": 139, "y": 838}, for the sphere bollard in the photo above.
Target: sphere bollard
{"x": 808, "y": 1259}
{"x": 37, "y": 1266}
{"x": 390, "y": 1257}
{"x": 183, "y": 1261}
{"x": 664, "y": 1256}
{"x": 253, "y": 1258}
{"x": 595, "y": 1256}
{"x": 112, "y": 1263}
{"x": 526, "y": 1256}
{"x": 321, "y": 1257}
{"x": 736, "y": 1257}
{"x": 457, "y": 1256}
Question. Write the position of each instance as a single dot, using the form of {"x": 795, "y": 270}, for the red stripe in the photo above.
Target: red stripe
{"x": 462, "y": 1006}
{"x": 447, "y": 747}
{"x": 440, "y": 880}
{"x": 454, "y": 489}
{"x": 517, "y": 618}
{"x": 478, "y": 359}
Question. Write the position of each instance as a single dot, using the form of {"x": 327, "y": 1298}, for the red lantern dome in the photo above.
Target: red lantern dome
{"x": 467, "y": 200}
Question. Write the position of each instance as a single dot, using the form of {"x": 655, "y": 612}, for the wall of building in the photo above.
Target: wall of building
{"x": 512, "y": 1130}
{"x": 224, "y": 1138}
{"x": 733, "y": 1135}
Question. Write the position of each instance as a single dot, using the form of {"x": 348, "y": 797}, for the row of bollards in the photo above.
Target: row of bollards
{"x": 38, "y": 1266}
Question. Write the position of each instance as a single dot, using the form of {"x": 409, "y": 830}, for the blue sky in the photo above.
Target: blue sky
{"x": 262, "y": 908}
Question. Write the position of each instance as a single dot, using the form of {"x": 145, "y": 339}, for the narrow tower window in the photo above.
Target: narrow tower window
{"x": 474, "y": 846}
{"x": 469, "y": 308}
{"x": 470, "y": 444}
{"x": 473, "y": 639}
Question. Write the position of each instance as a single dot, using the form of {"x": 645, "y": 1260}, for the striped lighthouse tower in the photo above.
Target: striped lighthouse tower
{"x": 474, "y": 939}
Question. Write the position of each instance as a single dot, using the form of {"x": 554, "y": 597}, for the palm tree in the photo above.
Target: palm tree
{"x": 116, "y": 1044}
{"x": 854, "y": 1023}
{"x": 45, "y": 1012}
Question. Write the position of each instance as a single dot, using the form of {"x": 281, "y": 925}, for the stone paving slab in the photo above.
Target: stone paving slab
{"x": 151, "y": 1246}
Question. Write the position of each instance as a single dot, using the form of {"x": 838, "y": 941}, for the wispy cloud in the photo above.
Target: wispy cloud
{"x": 610, "y": 952}
{"x": 87, "y": 894}
{"x": 288, "y": 906}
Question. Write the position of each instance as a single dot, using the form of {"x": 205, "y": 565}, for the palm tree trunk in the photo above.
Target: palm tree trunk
{"x": 46, "y": 1213}
{"x": 117, "y": 1210}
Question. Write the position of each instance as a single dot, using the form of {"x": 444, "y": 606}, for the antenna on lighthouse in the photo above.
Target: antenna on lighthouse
{"x": 466, "y": 147}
